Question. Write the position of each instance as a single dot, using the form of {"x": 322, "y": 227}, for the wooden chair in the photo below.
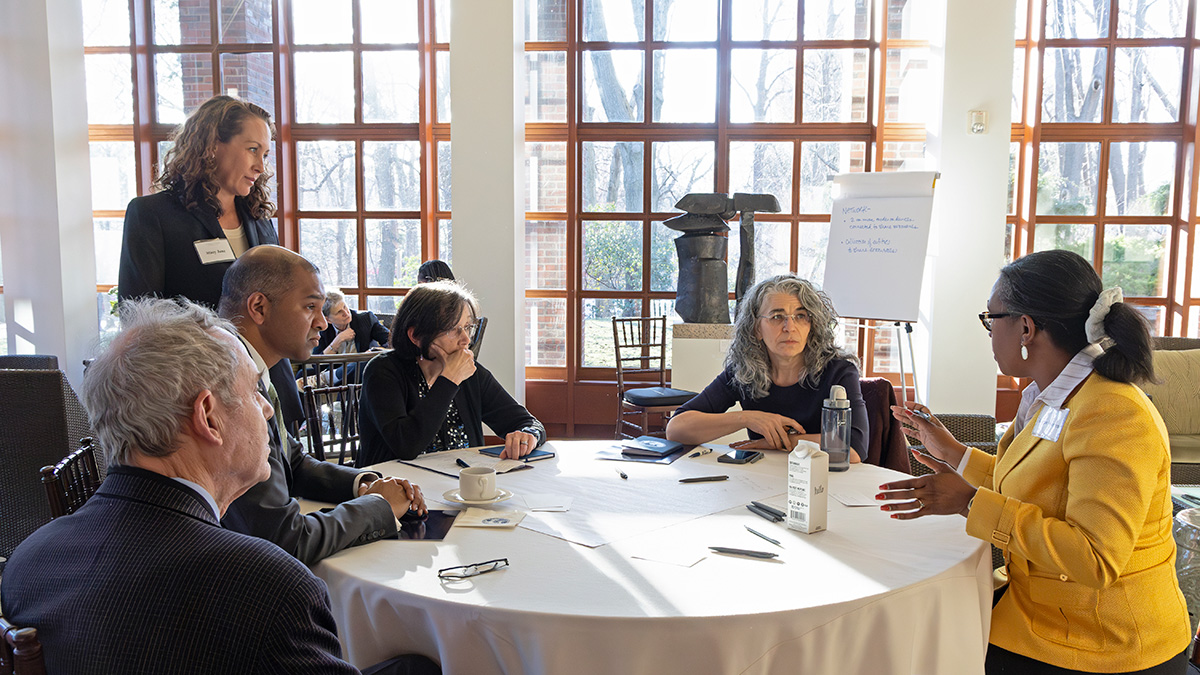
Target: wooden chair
{"x": 641, "y": 346}
{"x": 72, "y": 481}
{"x": 20, "y": 652}
{"x": 330, "y": 391}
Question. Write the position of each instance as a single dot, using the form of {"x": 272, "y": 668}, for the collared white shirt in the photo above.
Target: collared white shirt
{"x": 259, "y": 364}
{"x": 1034, "y": 399}
{"x": 1076, "y": 371}
{"x": 212, "y": 503}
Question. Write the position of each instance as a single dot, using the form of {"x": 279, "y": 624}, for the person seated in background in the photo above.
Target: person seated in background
{"x": 349, "y": 332}
{"x": 1078, "y": 494}
{"x": 780, "y": 367}
{"x": 434, "y": 270}
{"x": 143, "y": 578}
{"x": 428, "y": 393}
{"x": 274, "y": 298}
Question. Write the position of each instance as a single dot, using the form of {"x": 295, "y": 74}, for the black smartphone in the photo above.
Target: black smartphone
{"x": 740, "y": 457}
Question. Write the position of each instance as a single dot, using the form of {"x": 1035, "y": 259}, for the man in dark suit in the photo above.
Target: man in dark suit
{"x": 349, "y": 331}
{"x": 274, "y": 297}
{"x": 143, "y": 578}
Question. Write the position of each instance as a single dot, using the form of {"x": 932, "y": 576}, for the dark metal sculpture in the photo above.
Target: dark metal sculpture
{"x": 702, "y": 295}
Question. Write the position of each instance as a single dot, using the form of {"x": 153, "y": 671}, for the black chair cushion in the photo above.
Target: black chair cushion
{"x": 654, "y": 396}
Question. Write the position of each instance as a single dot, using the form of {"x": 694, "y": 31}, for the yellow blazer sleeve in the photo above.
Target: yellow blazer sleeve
{"x": 982, "y": 465}
{"x": 1076, "y": 507}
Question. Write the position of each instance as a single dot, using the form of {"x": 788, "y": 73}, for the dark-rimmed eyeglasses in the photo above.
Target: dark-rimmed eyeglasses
{"x": 466, "y": 571}
{"x": 987, "y": 318}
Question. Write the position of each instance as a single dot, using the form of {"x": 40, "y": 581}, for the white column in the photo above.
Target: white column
{"x": 972, "y": 58}
{"x": 487, "y": 65}
{"x": 45, "y": 194}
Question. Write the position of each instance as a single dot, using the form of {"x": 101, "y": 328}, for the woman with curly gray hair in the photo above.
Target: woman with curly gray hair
{"x": 780, "y": 367}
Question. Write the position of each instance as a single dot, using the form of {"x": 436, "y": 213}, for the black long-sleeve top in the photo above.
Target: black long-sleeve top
{"x": 396, "y": 423}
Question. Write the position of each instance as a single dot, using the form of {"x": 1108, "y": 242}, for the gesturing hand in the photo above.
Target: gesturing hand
{"x": 938, "y": 441}
{"x": 938, "y": 494}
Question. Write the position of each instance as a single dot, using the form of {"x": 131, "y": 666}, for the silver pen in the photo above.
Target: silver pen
{"x": 760, "y": 534}
{"x": 765, "y": 555}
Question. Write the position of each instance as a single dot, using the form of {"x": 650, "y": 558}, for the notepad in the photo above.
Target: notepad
{"x": 650, "y": 446}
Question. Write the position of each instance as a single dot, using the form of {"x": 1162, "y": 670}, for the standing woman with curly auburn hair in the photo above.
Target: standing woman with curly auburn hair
{"x": 211, "y": 205}
{"x": 780, "y": 367}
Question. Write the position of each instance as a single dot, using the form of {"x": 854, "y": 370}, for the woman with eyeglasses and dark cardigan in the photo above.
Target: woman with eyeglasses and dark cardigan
{"x": 780, "y": 368}
{"x": 429, "y": 394}
{"x": 1078, "y": 495}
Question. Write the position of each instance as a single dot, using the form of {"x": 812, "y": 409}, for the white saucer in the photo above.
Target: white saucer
{"x": 453, "y": 496}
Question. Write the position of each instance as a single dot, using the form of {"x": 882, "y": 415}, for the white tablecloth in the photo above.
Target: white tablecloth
{"x": 870, "y": 595}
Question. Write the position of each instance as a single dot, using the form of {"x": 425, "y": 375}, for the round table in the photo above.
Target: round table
{"x": 871, "y": 594}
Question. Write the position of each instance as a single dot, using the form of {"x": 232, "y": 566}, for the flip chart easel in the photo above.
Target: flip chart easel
{"x": 878, "y": 242}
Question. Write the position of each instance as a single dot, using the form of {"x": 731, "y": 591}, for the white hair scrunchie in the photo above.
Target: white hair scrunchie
{"x": 1095, "y": 322}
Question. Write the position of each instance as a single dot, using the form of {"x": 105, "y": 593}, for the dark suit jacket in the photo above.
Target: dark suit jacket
{"x": 368, "y": 332}
{"x": 396, "y": 423}
{"x": 143, "y": 579}
{"x": 158, "y": 257}
{"x": 158, "y": 252}
{"x": 269, "y": 510}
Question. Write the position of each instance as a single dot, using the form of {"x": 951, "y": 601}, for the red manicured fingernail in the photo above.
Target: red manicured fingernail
{"x": 895, "y": 515}
{"x": 879, "y": 496}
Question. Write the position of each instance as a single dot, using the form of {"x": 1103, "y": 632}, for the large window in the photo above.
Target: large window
{"x": 634, "y": 103}
{"x": 1101, "y": 145}
{"x": 359, "y": 95}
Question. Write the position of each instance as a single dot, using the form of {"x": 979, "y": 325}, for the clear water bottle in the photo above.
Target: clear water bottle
{"x": 835, "y": 428}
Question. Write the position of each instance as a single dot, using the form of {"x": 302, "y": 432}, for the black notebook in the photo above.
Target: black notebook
{"x": 534, "y": 456}
{"x": 649, "y": 446}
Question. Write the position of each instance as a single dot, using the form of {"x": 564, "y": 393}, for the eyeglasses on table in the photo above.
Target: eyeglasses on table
{"x": 472, "y": 570}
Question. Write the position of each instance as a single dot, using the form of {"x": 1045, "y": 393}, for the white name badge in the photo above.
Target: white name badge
{"x": 214, "y": 251}
{"x": 1050, "y": 423}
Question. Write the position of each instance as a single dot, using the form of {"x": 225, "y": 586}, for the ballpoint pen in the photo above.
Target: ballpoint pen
{"x": 622, "y": 474}
{"x": 459, "y": 461}
{"x": 770, "y": 509}
{"x": 765, "y": 555}
{"x": 703, "y": 479}
{"x": 764, "y": 514}
{"x": 760, "y": 534}
{"x": 702, "y": 451}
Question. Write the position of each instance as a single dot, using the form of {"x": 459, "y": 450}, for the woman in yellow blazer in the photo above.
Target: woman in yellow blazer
{"x": 1078, "y": 494}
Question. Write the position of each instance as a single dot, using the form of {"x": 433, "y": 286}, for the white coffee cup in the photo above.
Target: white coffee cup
{"x": 477, "y": 483}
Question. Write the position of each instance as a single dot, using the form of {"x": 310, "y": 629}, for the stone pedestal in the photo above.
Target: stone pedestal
{"x": 698, "y": 356}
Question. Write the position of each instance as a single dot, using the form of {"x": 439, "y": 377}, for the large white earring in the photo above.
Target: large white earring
{"x": 1024, "y": 353}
